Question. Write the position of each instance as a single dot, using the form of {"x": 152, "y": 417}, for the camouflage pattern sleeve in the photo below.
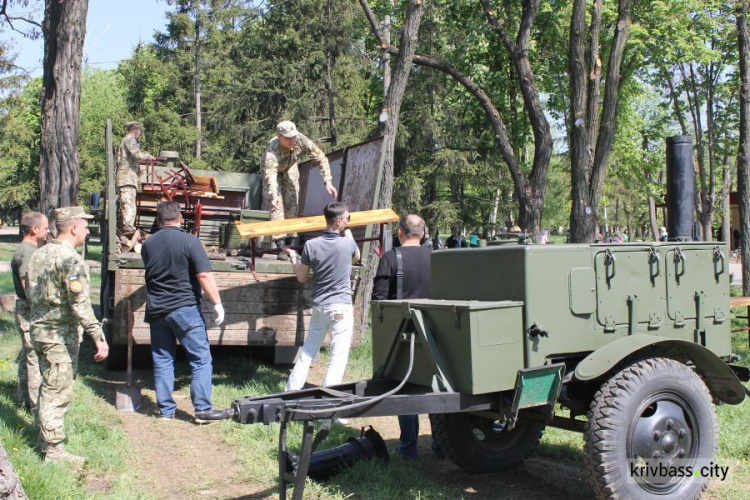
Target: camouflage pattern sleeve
{"x": 269, "y": 169}
{"x": 134, "y": 149}
{"x": 318, "y": 156}
{"x": 77, "y": 282}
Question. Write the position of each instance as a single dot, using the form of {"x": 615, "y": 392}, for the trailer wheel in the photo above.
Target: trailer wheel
{"x": 479, "y": 444}
{"x": 658, "y": 410}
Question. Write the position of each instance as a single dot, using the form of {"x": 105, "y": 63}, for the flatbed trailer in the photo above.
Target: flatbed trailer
{"x": 633, "y": 340}
{"x": 265, "y": 305}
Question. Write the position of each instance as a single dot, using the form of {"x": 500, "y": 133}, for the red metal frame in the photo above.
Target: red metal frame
{"x": 176, "y": 180}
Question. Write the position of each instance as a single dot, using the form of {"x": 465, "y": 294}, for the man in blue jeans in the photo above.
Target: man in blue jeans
{"x": 177, "y": 269}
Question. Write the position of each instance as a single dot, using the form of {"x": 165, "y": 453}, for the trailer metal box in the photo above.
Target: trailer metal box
{"x": 578, "y": 298}
{"x": 479, "y": 344}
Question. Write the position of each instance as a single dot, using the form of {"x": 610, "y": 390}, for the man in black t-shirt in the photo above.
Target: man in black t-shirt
{"x": 414, "y": 284}
{"x": 177, "y": 268}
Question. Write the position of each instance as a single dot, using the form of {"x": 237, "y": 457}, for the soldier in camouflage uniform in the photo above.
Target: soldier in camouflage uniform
{"x": 278, "y": 166}
{"x": 35, "y": 230}
{"x": 58, "y": 291}
{"x": 128, "y": 177}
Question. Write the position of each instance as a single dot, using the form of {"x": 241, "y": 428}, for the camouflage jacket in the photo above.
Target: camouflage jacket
{"x": 58, "y": 292}
{"x": 128, "y": 159}
{"x": 279, "y": 160}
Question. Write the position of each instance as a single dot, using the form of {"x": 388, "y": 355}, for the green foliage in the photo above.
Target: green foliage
{"x": 102, "y": 97}
{"x": 20, "y": 123}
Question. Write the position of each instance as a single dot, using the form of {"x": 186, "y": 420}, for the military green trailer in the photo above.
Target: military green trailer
{"x": 627, "y": 344}
{"x": 266, "y": 308}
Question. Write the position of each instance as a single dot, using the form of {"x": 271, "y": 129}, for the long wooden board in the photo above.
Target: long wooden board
{"x": 739, "y": 301}
{"x": 313, "y": 223}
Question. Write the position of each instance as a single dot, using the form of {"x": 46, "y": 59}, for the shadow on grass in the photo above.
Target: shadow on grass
{"x": 234, "y": 369}
{"x": 15, "y": 417}
{"x": 10, "y": 238}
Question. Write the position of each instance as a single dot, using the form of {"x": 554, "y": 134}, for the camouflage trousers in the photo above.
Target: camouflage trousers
{"x": 126, "y": 210}
{"x": 288, "y": 193}
{"x": 59, "y": 364}
{"x": 29, "y": 376}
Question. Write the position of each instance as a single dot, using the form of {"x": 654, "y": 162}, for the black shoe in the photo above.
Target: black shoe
{"x": 208, "y": 416}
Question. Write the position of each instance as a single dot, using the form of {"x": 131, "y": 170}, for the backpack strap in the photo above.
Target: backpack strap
{"x": 399, "y": 274}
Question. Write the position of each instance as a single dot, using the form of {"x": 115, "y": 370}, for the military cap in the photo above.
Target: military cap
{"x": 69, "y": 213}
{"x": 287, "y": 129}
{"x": 133, "y": 125}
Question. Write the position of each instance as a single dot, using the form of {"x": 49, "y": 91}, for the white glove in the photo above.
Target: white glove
{"x": 219, "y": 309}
{"x": 293, "y": 256}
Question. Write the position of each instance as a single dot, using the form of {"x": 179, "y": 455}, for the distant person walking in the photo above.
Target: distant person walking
{"x": 330, "y": 256}
{"x": 35, "y": 229}
{"x": 177, "y": 269}
{"x": 57, "y": 287}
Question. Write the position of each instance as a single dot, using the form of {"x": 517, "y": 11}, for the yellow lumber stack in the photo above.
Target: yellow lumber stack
{"x": 313, "y": 223}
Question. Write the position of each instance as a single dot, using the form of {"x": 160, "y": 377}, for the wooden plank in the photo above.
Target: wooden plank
{"x": 313, "y": 223}
{"x": 739, "y": 301}
{"x": 247, "y": 308}
{"x": 360, "y": 176}
{"x": 313, "y": 196}
{"x": 246, "y": 322}
{"x": 249, "y": 294}
{"x": 142, "y": 336}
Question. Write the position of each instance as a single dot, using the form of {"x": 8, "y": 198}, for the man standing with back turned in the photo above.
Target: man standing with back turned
{"x": 177, "y": 268}
{"x": 404, "y": 273}
{"x": 35, "y": 230}
{"x": 330, "y": 257}
{"x": 57, "y": 287}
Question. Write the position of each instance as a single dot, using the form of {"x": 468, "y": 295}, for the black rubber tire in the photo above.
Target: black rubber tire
{"x": 630, "y": 417}
{"x": 478, "y": 444}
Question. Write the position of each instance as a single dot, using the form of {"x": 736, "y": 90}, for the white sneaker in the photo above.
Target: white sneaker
{"x": 342, "y": 421}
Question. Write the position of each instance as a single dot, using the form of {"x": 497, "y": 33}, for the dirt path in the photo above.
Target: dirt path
{"x": 178, "y": 459}
{"x": 181, "y": 460}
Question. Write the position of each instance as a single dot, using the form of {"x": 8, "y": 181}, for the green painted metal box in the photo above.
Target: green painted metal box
{"x": 465, "y": 345}
{"x": 578, "y": 298}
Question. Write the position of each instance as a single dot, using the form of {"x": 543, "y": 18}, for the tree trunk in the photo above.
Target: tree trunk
{"x": 331, "y": 99}
{"x": 10, "y": 484}
{"x": 590, "y": 149}
{"x": 388, "y": 125}
{"x": 531, "y": 195}
{"x": 198, "y": 116}
{"x": 743, "y": 152}
{"x": 64, "y": 29}
{"x": 726, "y": 230}
{"x": 528, "y": 193}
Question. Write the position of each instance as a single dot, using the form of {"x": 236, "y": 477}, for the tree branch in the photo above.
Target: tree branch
{"x": 495, "y": 24}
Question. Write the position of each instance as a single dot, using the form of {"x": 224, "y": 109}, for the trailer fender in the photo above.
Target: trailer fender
{"x": 717, "y": 375}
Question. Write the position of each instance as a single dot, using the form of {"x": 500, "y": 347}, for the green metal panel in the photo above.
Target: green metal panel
{"x": 582, "y": 290}
{"x": 540, "y": 277}
{"x": 628, "y": 282}
{"x": 537, "y": 387}
{"x": 476, "y": 346}
{"x": 692, "y": 270}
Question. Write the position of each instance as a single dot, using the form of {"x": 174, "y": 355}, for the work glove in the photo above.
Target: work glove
{"x": 293, "y": 256}
{"x": 219, "y": 309}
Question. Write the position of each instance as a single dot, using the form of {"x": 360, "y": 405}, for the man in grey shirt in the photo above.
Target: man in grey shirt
{"x": 330, "y": 257}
